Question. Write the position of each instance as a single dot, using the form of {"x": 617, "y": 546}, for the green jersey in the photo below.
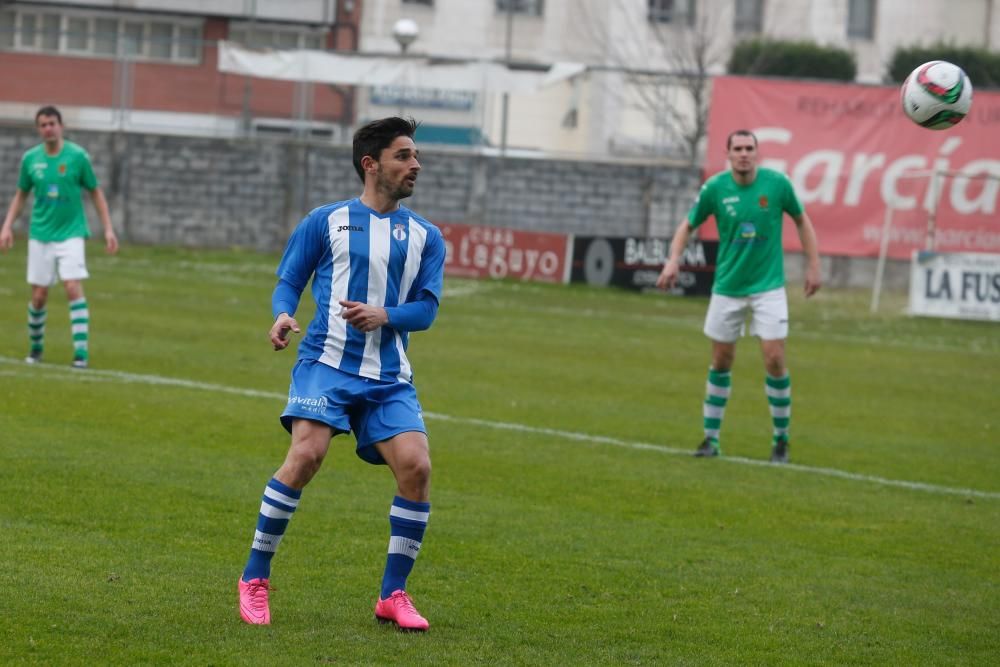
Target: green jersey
{"x": 749, "y": 219}
{"x": 58, "y": 213}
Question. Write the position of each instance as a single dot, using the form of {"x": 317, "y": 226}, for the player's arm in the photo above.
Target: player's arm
{"x": 668, "y": 276}
{"x": 13, "y": 211}
{"x": 700, "y": 210}
{"x": 417, "y": 313}
{"x": 284, "y": 303}
{"x": 101, "y": 204}
{"x": 807, "y": 235}
{"x": 297, "y": 265}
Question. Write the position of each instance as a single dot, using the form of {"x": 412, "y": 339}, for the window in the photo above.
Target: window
{"x": 161, "y": 38}
{"x": 861, "y": 19}
{"x": 429, "y": 3}
{"x": 76, "y": 34}
{"x": 106, "y": 37}
{"x": 188, "y": 41}
{"x": 133, "y": 38}
{"x": 748, "y": 16}
{"x": 532, "y": 7}
{"x": 103, "y": 35}
{"x": 287, "y": 40}
{"x": 50, "y": 32}
{"x": 680, "y": 12}
{"x": 267, "y": 36}
{"x": 28, "y": 31}
{"x": 7, "y": 30}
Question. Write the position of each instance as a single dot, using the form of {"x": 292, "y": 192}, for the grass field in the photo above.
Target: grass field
{"x": 570, "y": 524}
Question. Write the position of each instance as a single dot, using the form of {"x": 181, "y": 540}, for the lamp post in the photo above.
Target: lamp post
{"x": 506, "y": 96}
{"x": 405, "y": 32}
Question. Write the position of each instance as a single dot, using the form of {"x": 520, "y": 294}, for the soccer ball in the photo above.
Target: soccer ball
{"x": 936, "y": 95}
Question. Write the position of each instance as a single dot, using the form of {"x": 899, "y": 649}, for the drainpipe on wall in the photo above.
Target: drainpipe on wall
{"x": 988, "y": 26}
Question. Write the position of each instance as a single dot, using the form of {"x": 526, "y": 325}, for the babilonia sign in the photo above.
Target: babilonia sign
{"x": 958, "y": 285}
{"x": 635, "y": 263}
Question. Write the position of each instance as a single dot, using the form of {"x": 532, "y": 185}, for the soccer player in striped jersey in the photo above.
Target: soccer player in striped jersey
{"x": 748, "y": 203}
{"x": 376, "y": 270}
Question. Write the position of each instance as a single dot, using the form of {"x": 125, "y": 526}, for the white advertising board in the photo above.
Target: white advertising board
{"x": 958, "y": 285}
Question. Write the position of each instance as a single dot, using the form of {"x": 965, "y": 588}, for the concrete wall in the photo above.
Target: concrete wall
{"x": 238, "y": 192}
{"x": 203, "y": 192}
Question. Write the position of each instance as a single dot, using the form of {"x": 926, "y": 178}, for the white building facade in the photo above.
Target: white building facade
{"x": 607, "y": 111}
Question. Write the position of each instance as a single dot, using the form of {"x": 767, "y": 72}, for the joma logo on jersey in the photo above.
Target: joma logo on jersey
{"x": 350, "y": 228}
{"x": 735, "y": 199}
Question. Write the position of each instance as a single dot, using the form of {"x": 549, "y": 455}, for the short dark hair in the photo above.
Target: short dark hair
{"x": 374, "y": 137}
{"x": 48, "y": 111}
{"x": 740, "y": 133}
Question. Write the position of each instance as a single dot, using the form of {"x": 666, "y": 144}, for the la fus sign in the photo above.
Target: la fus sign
{"x": 958, "y": 285}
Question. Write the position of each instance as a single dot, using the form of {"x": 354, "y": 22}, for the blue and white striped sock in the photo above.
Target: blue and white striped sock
{"x": 276, "y": 509}
{"x": 407, "y": 522}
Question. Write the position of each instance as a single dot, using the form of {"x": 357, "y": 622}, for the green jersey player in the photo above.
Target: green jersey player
{"x": 57, "y": 171}
{"x": 748, "y": 203}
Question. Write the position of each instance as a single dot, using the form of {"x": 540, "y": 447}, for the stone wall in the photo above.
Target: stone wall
{"x": 224, "y": 192}
{"x": 250, "y": 193}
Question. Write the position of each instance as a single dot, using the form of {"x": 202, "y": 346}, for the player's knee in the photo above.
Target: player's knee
{"x": 722, "y": 361}
{"x": 39, "y": 297}
{"x": 775, "y": 364}
{"x": 303, "y": 463}
{"x": 74, "y": 290}
{"x": 415, "y": 472}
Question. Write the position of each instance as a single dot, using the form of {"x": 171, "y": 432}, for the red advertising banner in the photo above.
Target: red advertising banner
{"x": 851, "y": 152}
{"x": 475, "y": 251}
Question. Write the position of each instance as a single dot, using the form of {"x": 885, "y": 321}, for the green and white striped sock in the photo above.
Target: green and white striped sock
{"x": 36, "y": 330}
{"x": 716, "y": 395}
{"x": 79, "y": 319}
{"x": 779, "y": 400}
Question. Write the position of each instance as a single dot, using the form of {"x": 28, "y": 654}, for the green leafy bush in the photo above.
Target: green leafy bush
{"x": 792, "y": 59}
{"x": 982, "y": 66}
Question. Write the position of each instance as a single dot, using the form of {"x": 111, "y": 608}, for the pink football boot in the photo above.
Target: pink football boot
{"x": 253, "y": 601}
{"x": 399, "y": 609}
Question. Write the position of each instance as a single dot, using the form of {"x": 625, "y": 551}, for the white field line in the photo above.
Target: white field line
{"x": 17, "y": 368}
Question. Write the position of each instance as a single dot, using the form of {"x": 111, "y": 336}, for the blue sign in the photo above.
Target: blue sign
{"x": 428, "y": 98}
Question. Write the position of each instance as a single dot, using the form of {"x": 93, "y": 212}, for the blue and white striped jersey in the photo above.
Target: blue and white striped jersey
{"x": 353, "y": 253}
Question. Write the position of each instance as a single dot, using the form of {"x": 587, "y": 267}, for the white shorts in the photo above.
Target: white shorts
{"x": 65, "y": 259}
{"x": 726, "y": 318}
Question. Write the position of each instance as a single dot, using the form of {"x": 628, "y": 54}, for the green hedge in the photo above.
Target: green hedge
{"x": 982, "y": 66}
{"x": 792, "y": 59}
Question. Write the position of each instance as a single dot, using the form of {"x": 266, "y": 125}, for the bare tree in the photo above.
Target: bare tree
{"x": 666, "y": 57}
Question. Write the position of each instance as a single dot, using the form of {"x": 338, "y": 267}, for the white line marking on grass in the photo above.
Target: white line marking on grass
{"x": 98, "y": 375}
{"x": 616, "y": 442}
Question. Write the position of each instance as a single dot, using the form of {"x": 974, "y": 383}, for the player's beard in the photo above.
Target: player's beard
{"x": 394, "y": 191}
